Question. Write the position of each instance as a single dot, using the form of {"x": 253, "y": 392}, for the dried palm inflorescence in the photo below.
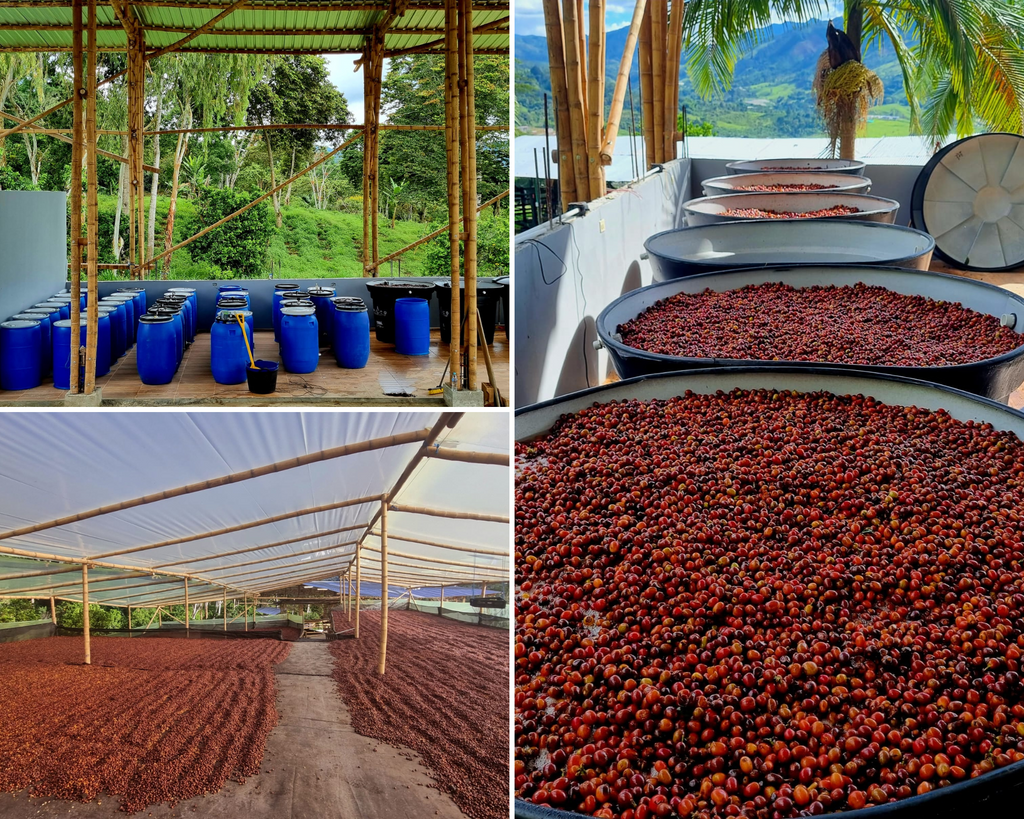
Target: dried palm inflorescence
{"x": 844, "y": 95}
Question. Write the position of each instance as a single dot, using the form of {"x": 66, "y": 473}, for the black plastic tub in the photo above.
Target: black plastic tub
{"x": 384, "y": 293}
{"x": 993, "y": 378}
{"x": 506, "y": 315}
{"x": 488, "y": 294}
{"x": 708, "y": 210}
{"x": 996, "y": 794}
{"x": 690, "y": 251}
{"x": 794, "y": 165}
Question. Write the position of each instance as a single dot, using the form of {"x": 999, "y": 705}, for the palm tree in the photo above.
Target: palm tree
{"x": 962, "y": 60}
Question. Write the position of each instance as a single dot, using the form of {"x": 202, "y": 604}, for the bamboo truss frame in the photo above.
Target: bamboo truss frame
{"x": 169, "y": 582}
{"x": 585, "y": 137}
{"x": 455, "y": 43}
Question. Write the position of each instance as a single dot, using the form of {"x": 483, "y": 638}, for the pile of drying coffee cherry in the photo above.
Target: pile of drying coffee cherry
{"x": 765, "y": 604}
{"x": 764, "y": 213}
{"x": 856, "y": 324}
{"x": 785, "y": 188}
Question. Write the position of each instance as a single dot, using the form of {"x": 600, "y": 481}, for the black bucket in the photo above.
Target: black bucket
{"x": 506, "y": 316}
{"x": 384, "y": 294}
{"x": 487, "y": 296}
{"x": 262, "y": 381}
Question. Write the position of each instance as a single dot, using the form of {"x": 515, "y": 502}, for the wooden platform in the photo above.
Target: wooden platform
{"x": 381, "y": 383}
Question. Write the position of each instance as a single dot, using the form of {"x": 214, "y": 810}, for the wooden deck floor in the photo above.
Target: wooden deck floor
{"x": 386, "y": 375}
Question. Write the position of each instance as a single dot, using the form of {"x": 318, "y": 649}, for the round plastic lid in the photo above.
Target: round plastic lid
{"x": 60, "y": 300}
{"x": 298, "y": 311}
{"x": 296, "y": 303}
{"x": 19, "y": 324}
{"x": 321, "y": 291}
{"x": 44, "y": 309}
{"x": 970, "y": 197}
{"x": 24, "y": 317}
{"x": 340, "y": 300}
{"x": 182, "y": 290}
{"x": 352, "y": 307}
{"x": 281, "y": 287}
{"x": 150, "y": 318}
{"x": 45, "y": 305}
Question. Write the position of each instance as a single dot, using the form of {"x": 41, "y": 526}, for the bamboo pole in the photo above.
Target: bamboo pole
{"x": 595, "y": 104}
{"x": 76, "y": 197}
{"x": 581, "y": 37}
{"x": 151, "y": 619}
{"x": 442, "y": 513}
{"x": 383, "y": 585}
{"x": 187, "y": 618}
{"x": 434, "y": 234}
{"x": 492, "y": 570}
{"x": 245, "y": 610}
{"x": 658, "y": 76}
{"x": 129, "y": 619}
{"x": 448, "y": 453}
{"x": 441, "y": 607}
{"x": 359, "y": 579}
{"x": 437, "y": 545}
{"x": 248, "y": 549}
{"x": 498, "y": 400}
{"x": 647, "y": 85}
{"x": 59, "y": 135}
{"x": 251, "y": 204}
{"x": 92, "y": 208}
{"x": 451, "y": 121}
{"x": 53, "y": 610}
{"x": 469, "y": 208}
{"x": 675, "y": 52}
{"x": 495, "y": 25}
{"x": 138, "y": 116}
{"x": 224, "y": 608}
{"x": 85, "y": 577}
{"x": 559, "y": 94}
{"x": 574, "y": 83}
{"x": 621, "y": 83}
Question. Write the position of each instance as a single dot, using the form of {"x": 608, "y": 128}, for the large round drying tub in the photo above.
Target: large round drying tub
{"x": 796, "y": 165}
{"x": 689, "y": 251}
{"x": 735, "y": 183}
{"x": 997, "y": 793}
{"x": 994, "y": 378}
{"x": 709, "y": 210}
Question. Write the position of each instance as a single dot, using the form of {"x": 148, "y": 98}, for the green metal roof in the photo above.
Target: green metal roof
{"x": 260, "y": 26}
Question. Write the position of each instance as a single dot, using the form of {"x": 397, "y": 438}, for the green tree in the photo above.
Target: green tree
{"x": 69, "y": 615}
{"x": 962, "y": 61}
{"x": 239, "y": 247}
{"x": 21, "y": 611}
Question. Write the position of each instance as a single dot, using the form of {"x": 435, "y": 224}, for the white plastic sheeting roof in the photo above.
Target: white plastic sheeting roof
{"x": 57, "y": 465}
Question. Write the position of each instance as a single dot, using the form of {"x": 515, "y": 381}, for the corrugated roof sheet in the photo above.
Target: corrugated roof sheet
{"x": 307, "y": 26}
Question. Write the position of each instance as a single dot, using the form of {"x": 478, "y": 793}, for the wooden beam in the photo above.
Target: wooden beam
{"x": 253, "y": 203}
{"x": 92, "y": 216}
{"x": 224, "y": 608}
{"x": 187, "y": 617}
{"x": 621, "y": 83}
{"x": 53, "y": 610}
{"x": 75, "y": 244}
{"x": 469, "y": 205}
{"x": 248, "y": 549}
{"x": 443, "y": 513}
{"x": 452, "y": 142}
{"x": 451, "y": 454}
{"x": 559, "y": 96}
{"x": 384, "y": 586}
{"x": 575, "y": 90}
{"x": 85, "y": 600}
{"x": 56, "y": 134}
{"x": 489, "y": 569}
{"x": 595, "y": 102}
{"x": 359, "y": 579}
{"x": 288, "y": 556}
{"x": 471, "y": 571}
{"x": 400, "y": 439}
{"x": 471, "y": 549}
{"x": 492, "y": 26}
{"x": 296, "y": 567}
{"x": 647, "y": 86}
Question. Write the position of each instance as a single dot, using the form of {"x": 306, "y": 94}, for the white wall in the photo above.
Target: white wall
{"x": 33, "y": 248}
{"x": 565, "y": 276}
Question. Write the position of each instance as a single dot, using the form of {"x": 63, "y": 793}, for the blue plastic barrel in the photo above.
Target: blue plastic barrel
{"x": 20, "y": 343}
{"x": 187, "y": 316}
{"x": 351, "y": 334}
{"x": 62, "y": 353}
{"x": 157, "y": 353}
{"x": 412, "y": 326}
{"x": 118, "y": 327}
{"x": 321, "y": 298}
{"x": 179, "y": 327}
{"x": 51, "y": 311}
{"x": 46, "y": 345}
{"x": 234, "y": 290}
{"x": 300, "y": 339}
{"x": 139, "y": 294}
{"x": 63, "y": 303}
{"x": 102, "y": 344}
{"x": 247, "y": 317}
{"x": 131, "y": 318}
{"x": 228, "y": 356}
{"x": 193, "y": 299}
{"x": 281, "y": 292}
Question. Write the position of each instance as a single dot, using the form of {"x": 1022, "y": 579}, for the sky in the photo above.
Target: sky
{"x": 529, "y": 15}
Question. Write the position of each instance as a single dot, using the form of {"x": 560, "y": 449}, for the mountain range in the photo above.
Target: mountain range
{"x": 770, "y": 94}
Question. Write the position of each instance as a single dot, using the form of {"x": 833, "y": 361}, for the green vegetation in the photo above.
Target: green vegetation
{"x": 21, "y": 611}
{"x": 311, "y": 228}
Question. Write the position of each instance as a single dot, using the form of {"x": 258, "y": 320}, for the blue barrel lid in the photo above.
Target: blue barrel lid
{"x": 174, "y": 296}
{"x": 48, "y": 305}
{"x": 60, "y": 300}
{"x": 352, "y": 308}
{"x": 118, "y": 297}
{"x": 296, "y": 303}
{"x": 24, "y": 317}
{"x": 182, "y": 290}
{"x": 282, "y": 287}
{"x": 18, "y": 324}
{"x": 44, "y": 308}
{"x": 153, "y": 318}
{"x": 298, "y": 311}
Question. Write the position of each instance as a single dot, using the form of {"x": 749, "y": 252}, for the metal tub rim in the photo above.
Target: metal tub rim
{"x": 837, "y": 165}
{"x": 606, "y": 335}
{"x": 858, "y": 183}
{"x": 884, "y": 206}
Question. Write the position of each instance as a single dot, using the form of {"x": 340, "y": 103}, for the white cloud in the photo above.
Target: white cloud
{"x": 348, "y": 81}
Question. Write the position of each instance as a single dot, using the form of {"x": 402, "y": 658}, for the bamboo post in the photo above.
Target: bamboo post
{"x": 675, "y": 51}
{"x": 451, "y": 121}
{"x": 78, "y": 134}
{"x": 92, "y": 208}
{"x": 595, "y": 103}
{"x": 186, "y": 607}
{"x": 224, "y": 608}
{"x": 359, "y": 590}
{"x": 647, "y": 86}
{"x": 378, "y": 70}
{"x": 85, "y": 595}
{"x": 367, "y": 143}
{"x": 621, "y": 83}
{"x": 384, "y": 583}
{"x": 581, "y": 37}
{"x": 574, "y": 83}
{"x": 160, "y": 616}
{"x": 469, "y": 208}
{"x": 129, "y": 619}
{"x": 440, "y": 608}
{"x": 53, "y": 610}
{"x": 658, "y": 74}
{"x": 559, "y": 95}
{"x": 136, "y": 126}
{"x": 487, "y": 360}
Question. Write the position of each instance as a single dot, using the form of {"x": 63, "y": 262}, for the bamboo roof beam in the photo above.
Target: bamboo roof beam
{"x": 215, "y": 574}
{"x": 22, "y": 125}
{"x": 466, "y": 456}
{"x": 437, "y": 545}
{"x": 484, "y": 574}
{"x": 448, "y": 513}
{"x": 493, "y": 26}
{"x": 487, "y": 567}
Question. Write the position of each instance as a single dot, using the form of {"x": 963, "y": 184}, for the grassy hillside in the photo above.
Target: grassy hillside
{"x": 311, "y": 243}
